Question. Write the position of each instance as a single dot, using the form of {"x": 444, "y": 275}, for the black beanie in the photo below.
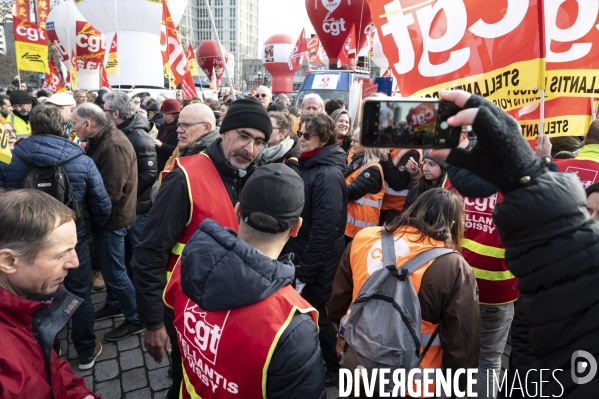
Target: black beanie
{"x": 20, "y": 97}
{"x": 247, "y": 112}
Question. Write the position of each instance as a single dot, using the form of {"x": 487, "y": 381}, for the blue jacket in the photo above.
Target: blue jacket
{"x": 221, "y": 272}
{"x": 45, "y": 150}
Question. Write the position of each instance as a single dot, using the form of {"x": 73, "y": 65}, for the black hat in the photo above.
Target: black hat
{"x": 20, "y": 97}
{"x": 152, "y": 108}
{"x": 247, "y": 112}
{"x": 41, "y": 93}
{"x": 274, "y": 190}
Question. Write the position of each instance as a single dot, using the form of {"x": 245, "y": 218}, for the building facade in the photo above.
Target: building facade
{"x": 236, "y": 23}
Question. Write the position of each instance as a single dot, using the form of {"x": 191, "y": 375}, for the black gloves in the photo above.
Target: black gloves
{"x": 501, "y": 156}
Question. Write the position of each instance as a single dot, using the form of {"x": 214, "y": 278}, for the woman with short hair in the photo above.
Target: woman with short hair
{"x": 320, "y": 241}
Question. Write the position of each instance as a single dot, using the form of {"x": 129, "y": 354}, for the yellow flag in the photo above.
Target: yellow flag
{"x": 31, "y": 46}
{"x": 192, "y": 62}
{"x": 112, "y": 65}
{"x": 5, "y": 154}
{"x": 74, "y": 71}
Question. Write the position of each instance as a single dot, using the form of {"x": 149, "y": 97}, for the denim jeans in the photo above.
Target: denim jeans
{"x": 495, "y": 322}
{"x": 78, "y": 282}
{"x": 132, "y": 238}
{"x": 110, "y": 255}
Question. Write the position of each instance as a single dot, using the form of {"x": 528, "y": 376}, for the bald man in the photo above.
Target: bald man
{"x": 196, "y": 129}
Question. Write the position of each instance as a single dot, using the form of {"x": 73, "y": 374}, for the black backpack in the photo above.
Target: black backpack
{"x": 53, "y": 180}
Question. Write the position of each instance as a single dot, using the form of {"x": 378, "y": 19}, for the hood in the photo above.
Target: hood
{"x": 138, "y": 121}
{"x": 332, "y": 155}
{"x": 200, "y": 144}
{"x": 221, "y": 272}
{"x": 44, "y": 150}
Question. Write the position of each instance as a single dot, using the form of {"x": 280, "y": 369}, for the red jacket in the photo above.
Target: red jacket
{"x": 24, "y": 359}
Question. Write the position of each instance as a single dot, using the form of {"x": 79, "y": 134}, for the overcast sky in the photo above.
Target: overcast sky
{"x": 283, "y": 16}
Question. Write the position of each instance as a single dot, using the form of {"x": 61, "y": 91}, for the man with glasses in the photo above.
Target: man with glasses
{"x": 264, "y": 95}
{"x": 188, "y": 195}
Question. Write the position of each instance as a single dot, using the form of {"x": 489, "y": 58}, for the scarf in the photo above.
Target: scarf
{"x": 200, "y": 144}
{"x": 271, "y": 154}
{"x": 310, "y": 154}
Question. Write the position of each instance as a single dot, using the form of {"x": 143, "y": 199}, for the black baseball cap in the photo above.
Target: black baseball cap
{"x": 274, "y": 190}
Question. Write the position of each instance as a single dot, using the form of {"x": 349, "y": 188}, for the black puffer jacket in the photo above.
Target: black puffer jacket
{"x": 136, "y": 129}
{"x": 320, "y": 242}
{"x": 158, "y": 119}
{"x": 553, "y": 249}
{"x": 369, "y": 181}
{"x": 169, "y": 137}
{"x": 221, "y": 272}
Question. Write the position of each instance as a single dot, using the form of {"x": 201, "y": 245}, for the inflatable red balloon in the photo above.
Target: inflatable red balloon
{"x": 332, "y": 20}
{"x": 275, "y": 57}
{"x": 209, "y": 57}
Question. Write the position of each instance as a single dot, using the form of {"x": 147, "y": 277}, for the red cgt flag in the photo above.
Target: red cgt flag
{"x": 349, "y": 47}
{"x": 104, "y": 82}
{"x": 300, "y": 49}
{"x": 52, "y": 81}
{"x": 487, "y": 48}
{"x": 172, "y": 50}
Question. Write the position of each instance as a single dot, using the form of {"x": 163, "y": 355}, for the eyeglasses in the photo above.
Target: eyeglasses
{"x": 258, "y": 95}
{"x": 9, "y": 131}
{"x": 307, "y": 136}
{"x": 186, "y": 126}
{"x": 275, "y": 128}
{"x": 244, "y": 139}
{"x": 109, "y": 110}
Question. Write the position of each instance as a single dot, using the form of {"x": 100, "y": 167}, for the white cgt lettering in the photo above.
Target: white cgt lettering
{"x": 93, "y": 43}
{"x": 514, "y": 15}
{"x": 587, "y": 15}
{"x": 456, "y": 16}
{"x": 32, "y": 35}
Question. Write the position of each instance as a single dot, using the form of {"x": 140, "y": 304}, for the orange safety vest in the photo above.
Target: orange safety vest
{"x": 485, "y": 253}
{"x": 395, "y": 199}
{"x": 350, "y": 153}
{"x": 208, "y": 199}
{"x": 212, "y": 343}
{"x": 366, "y": 211}
{"x": 585, "y": 165}
{"x": 366, "y": 257}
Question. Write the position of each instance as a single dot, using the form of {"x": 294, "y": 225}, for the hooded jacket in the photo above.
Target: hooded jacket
{"x": 164, "y": 226}
{"x": 27, "y": 331}
{"x": 136, "y": 129}
{"x": 221, "y": 272}
{"x": 158, "y": 119}
{"x": 321, "y": 240}
{"x": 44, "y": 150}
{"x": 552, "y": 247}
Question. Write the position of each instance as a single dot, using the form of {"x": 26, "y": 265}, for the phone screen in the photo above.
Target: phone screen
{"x": 409, "y": 124}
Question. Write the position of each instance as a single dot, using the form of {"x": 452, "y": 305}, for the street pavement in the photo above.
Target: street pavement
{"x": 125, "y": 370}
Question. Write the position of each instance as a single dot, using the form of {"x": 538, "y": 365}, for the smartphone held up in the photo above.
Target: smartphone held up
{"x": 408, "y": 123}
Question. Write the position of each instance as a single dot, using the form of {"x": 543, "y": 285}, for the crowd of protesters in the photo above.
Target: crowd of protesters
{"x": 266, "y": 219}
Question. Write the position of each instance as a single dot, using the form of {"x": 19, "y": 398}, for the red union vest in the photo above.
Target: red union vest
{"x": 226, "y": 353}
{"x": 484, "y": 252}
{"x": 396, "y": 199}
{"x": 366, "y": 211}
{"x": 585, "y": 165}
{"x": 208, "y": 198}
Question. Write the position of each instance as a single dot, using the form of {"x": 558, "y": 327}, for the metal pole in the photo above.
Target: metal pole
{"x": 222, "y": 56}
{"x": 542, "y": 119}
{"x": 116, "y": 31}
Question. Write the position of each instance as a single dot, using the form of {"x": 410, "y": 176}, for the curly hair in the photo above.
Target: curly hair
{"x": 321, "y": 125}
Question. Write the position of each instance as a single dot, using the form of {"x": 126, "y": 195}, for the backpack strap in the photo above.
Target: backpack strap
{"x": 411, "y": 266}
{"x": 430, "y": 342}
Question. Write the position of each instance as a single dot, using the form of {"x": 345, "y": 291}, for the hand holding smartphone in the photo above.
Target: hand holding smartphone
{"x": 408, "y": 123}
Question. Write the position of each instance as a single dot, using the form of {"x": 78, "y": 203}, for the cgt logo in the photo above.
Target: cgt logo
{"x": 203, "y": 330}
{"x": 334, "y": 27}
{"x": 583, "y": 362}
